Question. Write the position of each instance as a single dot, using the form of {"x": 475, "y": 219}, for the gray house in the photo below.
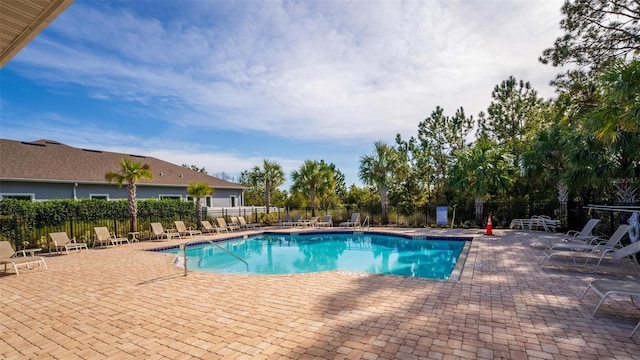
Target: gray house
{"x": 47, "y": 169}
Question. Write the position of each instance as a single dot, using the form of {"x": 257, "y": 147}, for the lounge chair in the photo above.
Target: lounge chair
{"x": 286, "y": 219}
{"x": 236, "y": 222}
{"x": 596, "y": 243}
{"x": 605, "y": 288}
{"x": 310, "y": 222}
{"x": 223, "y": 224}
{"x": 354, "y": 221}
{"x": 611, "y": 254}
{"x": 158, "y": 232}
{"x": 535, "y": 222}
{"x": 103, "y": 236}
{"x": 296, "y": 221}
{"x": 584, "y": 235}
{"x": 208, "y": 228}
{"x": 61, "y": 241}
{"x": 184, "y": 230}
{"x": 243, "y": 223}
{"x": 325, "y": 222}
{"x": 8, "y": 256}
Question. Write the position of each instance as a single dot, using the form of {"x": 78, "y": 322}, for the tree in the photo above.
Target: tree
{"x": 377, "y": 170}
{"x": 480, "y": 171}
{"x": 264, "y": 179}
{"x": 130, "y": 172}
{"x": 609, "y": 120}
{"x": 511, "y": 115}
{"x": 596, "y": 32}
{"x": 198, "y": 191}
{"x": 311, "y": 178}
{"x": 195, "y": 168}
{"x": 439, "y": 137}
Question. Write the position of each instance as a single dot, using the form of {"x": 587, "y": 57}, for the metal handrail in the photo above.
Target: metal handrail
{"x": 184, "y": 255}
{"x": 228, "y": 252}
{"x": 366, "y": 220}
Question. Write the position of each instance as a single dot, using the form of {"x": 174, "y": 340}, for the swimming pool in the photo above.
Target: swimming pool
{"x": 359, "y": 252}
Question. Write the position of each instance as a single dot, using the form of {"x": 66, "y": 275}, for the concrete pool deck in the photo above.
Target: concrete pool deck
{"x": 122, "y": 302}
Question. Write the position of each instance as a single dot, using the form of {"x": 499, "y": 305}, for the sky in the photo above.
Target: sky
{"x": 225, "y": 84}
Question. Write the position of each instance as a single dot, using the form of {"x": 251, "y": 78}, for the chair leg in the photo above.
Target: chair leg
{"x": 634, "y": 330}
{"x": 585, "y": 292}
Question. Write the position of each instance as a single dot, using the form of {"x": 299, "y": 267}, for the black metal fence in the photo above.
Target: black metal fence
{"x": 573, "y": 215}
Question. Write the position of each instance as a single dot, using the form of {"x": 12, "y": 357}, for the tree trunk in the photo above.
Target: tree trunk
{"x": 384, "y": 199}
{"x": 479, "y": 205}
{"x": 198, "y": 210}
{"x": 312, "y": 195}
{"x": 267, "y": 195}
{"x": 133, "y": 206}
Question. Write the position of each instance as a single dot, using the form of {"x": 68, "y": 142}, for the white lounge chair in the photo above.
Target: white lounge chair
{"x": 244, "y": 224}
{"x": 223, "y": 224}
{"x": 158, "y": 232}
{"x": 286, "y": 219}
{"x": 208, "y": 228}
{"x": 600, "y": 255}
{"x": 183, "y": 230}
{"x": 605, "y": 288}
{"x": 103, "y": 236}
{"x": 61, "y": 241}
{"x": 354, "y": 221}
{"x": 310, "y": 222}
{"x": 584, "y": 235}
{"x": 596, "y": 243}
{"x": 8, "y": 256}
{"x": 325, "y": 222}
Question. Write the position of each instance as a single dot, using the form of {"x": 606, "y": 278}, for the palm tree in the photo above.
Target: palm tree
{"x": 479, "y": 171}
{"x": 270, "y": 175}
{"x": 378, "y": 169}
{"x": 313, "y": 176}
{"x": 130, "y": 172}
{"x": 198, "y": 191}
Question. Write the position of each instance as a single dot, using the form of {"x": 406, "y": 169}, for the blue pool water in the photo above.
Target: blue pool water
{"x": 295, "y": 254}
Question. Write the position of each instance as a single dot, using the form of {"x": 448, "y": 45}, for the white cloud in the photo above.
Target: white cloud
{"x": 301, "y": 69}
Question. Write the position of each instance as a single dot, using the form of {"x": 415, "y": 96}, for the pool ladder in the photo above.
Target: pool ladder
{"x": 365, "y": 221}
{"x": 183, "y": 263}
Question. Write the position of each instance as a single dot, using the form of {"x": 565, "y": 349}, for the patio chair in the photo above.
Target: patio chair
{"x": 236, "y": 222}
{"x": 296, "y": 221}
{"x": 8, "y": 256}
{"x": 158, "y": 232}
{"x": 286, "y": 219}
{"x": 354, "y": 221}
{"x": 243, "y": 223}
{"x": 208, "y": 228}
{"x": 605, "y": 288}
{"x": 325, "y": 222}
{"x": 596, "y": 244}
{"x": 103, "y": 236}
{"x": 584, "y": 235}
{"x": 310, "y": 222}
{"x": 223, "y": 224}
{"x": 184, "y": 230}
{"x": 61, "y": 241}
{"x": 600, "y": 255}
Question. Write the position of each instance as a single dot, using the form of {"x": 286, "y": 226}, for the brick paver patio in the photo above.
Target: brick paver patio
{"x": 122, "y": 302}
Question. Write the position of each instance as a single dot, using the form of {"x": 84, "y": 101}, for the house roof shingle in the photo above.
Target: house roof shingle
{"x": 51, "y": 161}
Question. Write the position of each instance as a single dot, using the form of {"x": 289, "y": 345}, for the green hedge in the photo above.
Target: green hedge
{"x": 28, "y": 223}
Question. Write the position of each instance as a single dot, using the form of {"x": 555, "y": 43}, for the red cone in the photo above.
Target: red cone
{"x": 489, "y": 227}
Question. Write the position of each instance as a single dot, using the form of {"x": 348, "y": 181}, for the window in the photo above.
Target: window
{"x": 99, "y": 196}
{"x": 170, "y": 197}
{"x": 28, "y": 197}
{"x": 233, "y": 201}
